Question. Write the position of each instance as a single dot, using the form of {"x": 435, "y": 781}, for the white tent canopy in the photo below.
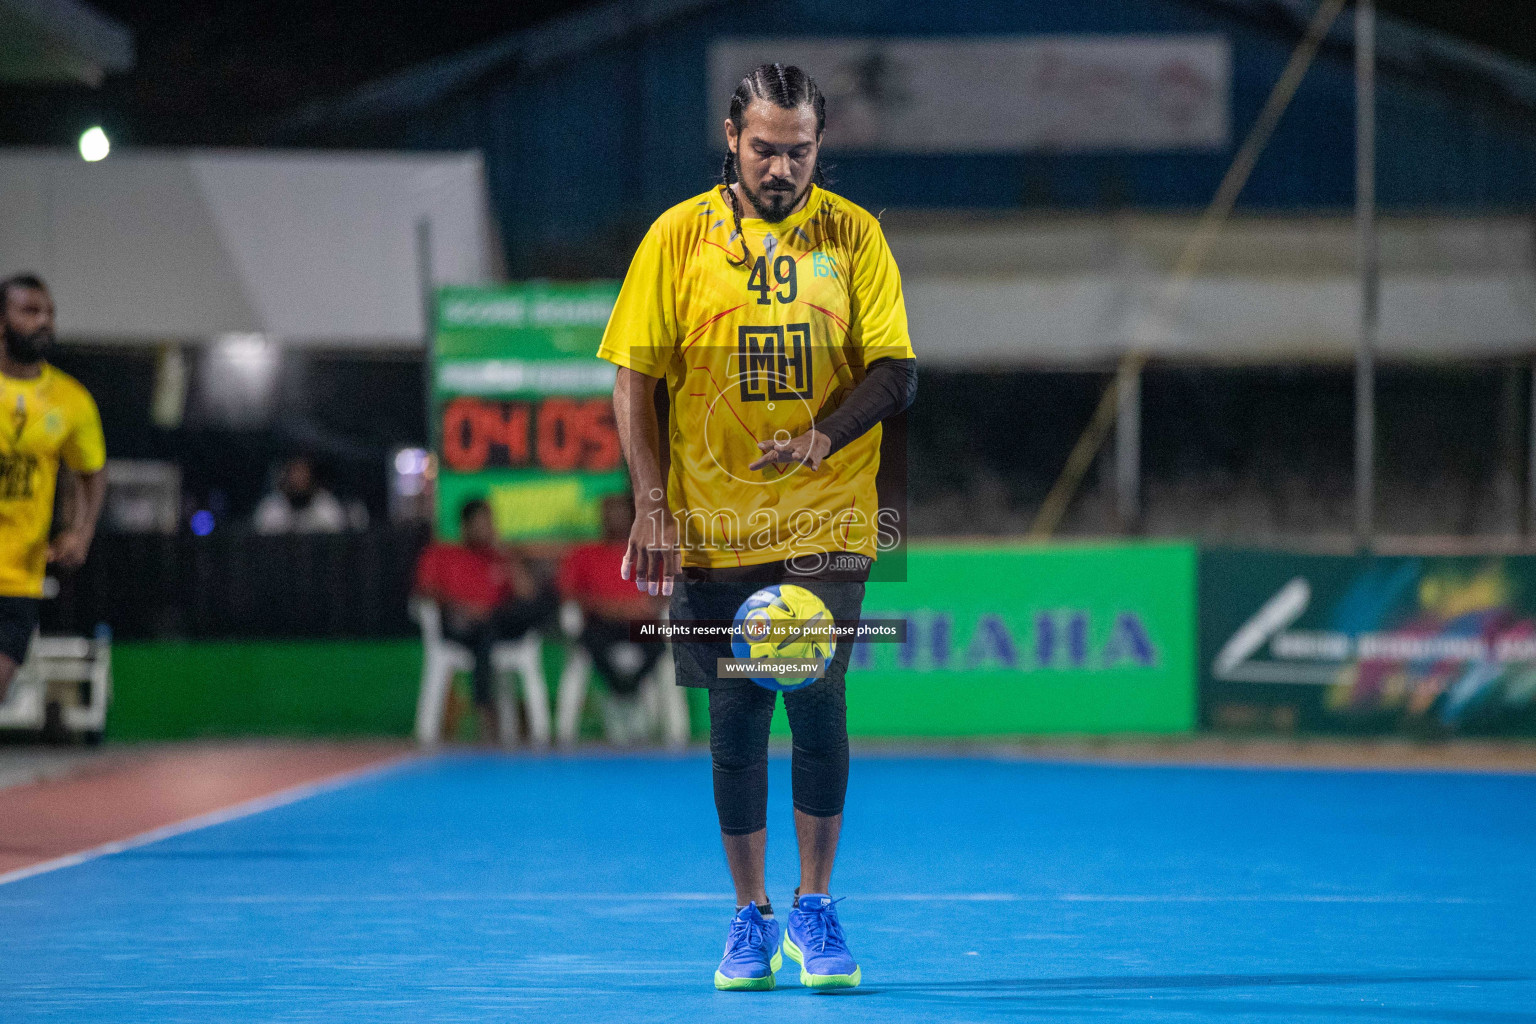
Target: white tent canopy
{"x": 311, "y": 249}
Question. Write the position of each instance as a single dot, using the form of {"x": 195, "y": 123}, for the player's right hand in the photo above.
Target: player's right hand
{"x": 652, "y": 557}
{"x": 69, "y": 549}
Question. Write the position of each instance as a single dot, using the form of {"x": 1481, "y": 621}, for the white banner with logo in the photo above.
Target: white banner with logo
{"x": 1060, "y": 93}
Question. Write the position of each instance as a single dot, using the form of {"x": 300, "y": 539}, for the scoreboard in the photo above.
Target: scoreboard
{"x": 522, "y": 411}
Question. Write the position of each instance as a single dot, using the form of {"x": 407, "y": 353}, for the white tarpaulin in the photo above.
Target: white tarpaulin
{"x": 1060, "y": 93}
{"x": 302, "y": 248}
{"x": 1059, "y": 291}
{"x": 1094, "y": 318}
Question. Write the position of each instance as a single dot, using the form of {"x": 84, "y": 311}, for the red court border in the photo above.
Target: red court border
{"x": 136, "y": 797}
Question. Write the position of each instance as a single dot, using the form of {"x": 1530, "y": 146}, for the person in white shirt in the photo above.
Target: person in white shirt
{"x": 299, "y": 504}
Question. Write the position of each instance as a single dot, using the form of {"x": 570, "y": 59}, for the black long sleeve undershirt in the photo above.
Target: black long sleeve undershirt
{"x": 887, "y": 389}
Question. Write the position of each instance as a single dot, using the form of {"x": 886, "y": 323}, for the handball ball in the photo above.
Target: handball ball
{"x": 790, "y": 608}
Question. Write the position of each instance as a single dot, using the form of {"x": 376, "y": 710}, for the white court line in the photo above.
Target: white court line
{"x": 1258, "y": 898}
{"x": 866, "y": 897}
{"x": 244, "y": 809}
{"x": 595, "y": 897}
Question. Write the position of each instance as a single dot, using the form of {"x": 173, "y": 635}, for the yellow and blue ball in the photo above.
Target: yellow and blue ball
{"x": 802, "y": 620}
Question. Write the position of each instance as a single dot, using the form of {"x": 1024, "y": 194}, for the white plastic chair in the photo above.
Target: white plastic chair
{"x": 62, "y": 659}
{"x": 660, "y": 696}
{"x": 441, "y": 658}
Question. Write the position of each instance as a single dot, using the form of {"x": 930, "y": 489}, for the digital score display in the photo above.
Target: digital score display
{"x": 556, "y": 434}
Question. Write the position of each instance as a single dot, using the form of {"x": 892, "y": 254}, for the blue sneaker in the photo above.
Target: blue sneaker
{"x": 751, "y": 953}
{"x": 814, "y": 940}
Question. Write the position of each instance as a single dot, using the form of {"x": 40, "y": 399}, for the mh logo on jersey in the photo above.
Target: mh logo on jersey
{"x": 775, "y": 363}
{"x": 16, "y": 474}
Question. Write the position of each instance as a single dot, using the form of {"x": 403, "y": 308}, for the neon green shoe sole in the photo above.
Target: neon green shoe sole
{"x": 810, "y": 980}
{"x": 764, "y": 984}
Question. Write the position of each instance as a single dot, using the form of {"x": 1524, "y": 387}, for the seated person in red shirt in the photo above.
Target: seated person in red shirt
{"x": 589, "y": 575}
{"x": 487, "y": 595}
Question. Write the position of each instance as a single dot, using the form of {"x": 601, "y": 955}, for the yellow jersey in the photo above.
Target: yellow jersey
{"x": 756, "y": 349}
{"x": 46, "y": 420}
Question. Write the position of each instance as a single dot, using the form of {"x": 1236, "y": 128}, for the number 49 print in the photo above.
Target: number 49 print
{"x": 783, "y": 275}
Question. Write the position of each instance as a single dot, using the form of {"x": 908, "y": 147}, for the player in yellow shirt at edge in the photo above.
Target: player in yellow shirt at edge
{"x": 46, "y": 418}
{"x": 773, "y": 310}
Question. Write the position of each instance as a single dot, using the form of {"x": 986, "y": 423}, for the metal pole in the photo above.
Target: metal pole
{"x": 1128, "y": 446}
{"x": 425, "y": 282}
{"x": 428, "y": 311}
{"x": 1370, "y": 271}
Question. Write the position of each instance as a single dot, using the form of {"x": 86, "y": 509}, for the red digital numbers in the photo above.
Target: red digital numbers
{"x": 559, "y": 435}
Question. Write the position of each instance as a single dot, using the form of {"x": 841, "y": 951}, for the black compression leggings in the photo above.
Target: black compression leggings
{"x": 738, "y": 743}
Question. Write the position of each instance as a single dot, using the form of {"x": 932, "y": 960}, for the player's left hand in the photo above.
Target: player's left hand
{"x": 69, "y": 549}
{"x": 809, "y": 449}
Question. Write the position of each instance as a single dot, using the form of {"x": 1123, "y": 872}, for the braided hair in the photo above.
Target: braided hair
{"x": 783, "y": 85}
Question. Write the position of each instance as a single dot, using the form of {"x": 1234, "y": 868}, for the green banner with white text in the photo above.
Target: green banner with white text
{"x": 1430, "y": 646}
{"x": 522, "y": 412}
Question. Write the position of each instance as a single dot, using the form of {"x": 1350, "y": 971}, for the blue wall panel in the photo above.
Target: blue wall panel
{"x": 583, "y": 156}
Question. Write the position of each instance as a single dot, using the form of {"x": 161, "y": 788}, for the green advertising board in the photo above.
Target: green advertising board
{"x": 1017, "y": 640}
{"x": 522, "y": 411}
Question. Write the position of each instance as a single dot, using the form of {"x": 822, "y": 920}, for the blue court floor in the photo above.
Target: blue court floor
{"x": 592, "y": 889}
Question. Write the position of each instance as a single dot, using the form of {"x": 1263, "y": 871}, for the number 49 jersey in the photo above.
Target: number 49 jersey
{"x": 760, "y": 335}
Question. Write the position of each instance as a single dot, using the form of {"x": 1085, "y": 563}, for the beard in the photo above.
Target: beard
{"x": 28, "y": 348}
{"x": 777, "y": 199}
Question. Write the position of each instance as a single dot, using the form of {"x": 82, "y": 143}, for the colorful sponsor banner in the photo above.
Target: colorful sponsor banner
{"x": 1014, "y": 640}
{"x": 1337, "y": 643}
{"x": 522, "y": 413}
{"x": 994, "y": 94}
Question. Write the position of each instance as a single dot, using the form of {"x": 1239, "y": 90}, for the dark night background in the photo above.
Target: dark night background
{"x": 213, "y": 73}
{"x": 210, "y": 72}
{"x": 219, "y": 73}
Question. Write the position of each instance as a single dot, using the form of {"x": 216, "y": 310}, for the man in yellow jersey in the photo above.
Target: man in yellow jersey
{"x": 773, "y": 310}
{"x": 46, "y": 418}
